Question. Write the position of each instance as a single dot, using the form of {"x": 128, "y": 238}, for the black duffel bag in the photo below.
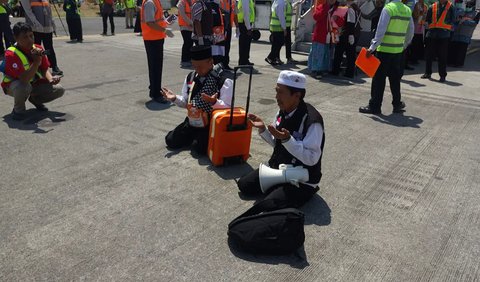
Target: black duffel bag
{"x": 265, "y": 229}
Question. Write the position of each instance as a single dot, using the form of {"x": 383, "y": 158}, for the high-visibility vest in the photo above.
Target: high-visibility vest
{"x": 76, "y": 4}
{"x": 188, "y": 12}
{"x": 394, "y": 39}
{"x": 227, "y": 7}
{"x": 130, "y": 4}
{"x": 275, "y": 25}
{"x": 2, "y": 9}
{"x": 25, "y": 63}
{"x": 440, "y": 23}
{"x": 251, "y": 6}
{"x": 150, "y": 33}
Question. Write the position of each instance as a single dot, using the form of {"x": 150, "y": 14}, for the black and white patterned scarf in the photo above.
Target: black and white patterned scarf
{"x": 207, "y": 85}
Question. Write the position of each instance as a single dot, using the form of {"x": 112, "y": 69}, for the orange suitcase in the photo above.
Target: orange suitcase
{"x": 230, "y": 130}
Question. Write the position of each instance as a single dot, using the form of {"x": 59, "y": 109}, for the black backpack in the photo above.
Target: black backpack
{"x": 265, "y": 230}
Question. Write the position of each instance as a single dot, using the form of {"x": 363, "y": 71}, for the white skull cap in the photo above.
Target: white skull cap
{"x": 292, "y": 79}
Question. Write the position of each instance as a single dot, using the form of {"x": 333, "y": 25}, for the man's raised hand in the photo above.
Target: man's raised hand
{"x": 282, "y": 134}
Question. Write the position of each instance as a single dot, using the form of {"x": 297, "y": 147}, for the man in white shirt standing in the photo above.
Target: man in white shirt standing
{"x": 297, "y": 137}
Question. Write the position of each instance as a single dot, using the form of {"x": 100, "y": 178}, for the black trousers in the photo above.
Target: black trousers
{"x": 47, "y": 40}
{"x": 391, "y": 65}
{"x": 6, "y": 33}
{"x": 344, "y": 47}
{"x": 112, "y": 24}
{"x": 187, "y": 44}
{"x": 138, "y": 26}
{"x": 277, "y": 43}
{"x": 437, "y": 47}
{"x": 184, "y": 135}
{"x": 244, "y": 42}
{"x": 418, "y": 48}
{"x": 288, "y": 43}
{"x": 75, "y": 28}
{"x": 154, "y": 50}
{"x": 228, "y": 43}
{"x": 285, "y": 194}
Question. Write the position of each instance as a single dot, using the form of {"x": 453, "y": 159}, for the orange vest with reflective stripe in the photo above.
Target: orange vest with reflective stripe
{"x": 149, "y": 33}
{"x": 229, "y": 7}
{"x": 39, "y": 3}
{"x": 188, "y": 12}
{"x": 440, "y": 23}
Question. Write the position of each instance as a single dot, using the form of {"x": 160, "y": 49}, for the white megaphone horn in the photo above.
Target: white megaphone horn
{"x": 270, "y": 177}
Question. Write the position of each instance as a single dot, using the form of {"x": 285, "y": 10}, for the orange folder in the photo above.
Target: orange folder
{"x": 368, "y": 65}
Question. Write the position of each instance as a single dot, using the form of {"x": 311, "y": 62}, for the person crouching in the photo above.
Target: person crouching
{"x": 203, "y": 91}
{"x": 27, "y": 75}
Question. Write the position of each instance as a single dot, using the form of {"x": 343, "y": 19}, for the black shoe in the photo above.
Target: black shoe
{"x": 368, "y": 110}
{"x": 292, "y": 61}
{"x": 56, "y": 71}
{"x": 160, "y": 100}
{"x": 426, "y": 75}
{"x": 250, "y": 63}
{"x": 407, "y": 67}
{"x": 41, "y": 107}
{"x": 400, "y": 108}
{"x": 442, "y": 79}
{"x": 103, "y": 34}
{"x": 334, "y": 73}
{"x": 18, "y": 116}
{"x": 270, "y": 61}
{"x": 227, "y": 67}
{"x": 278, "y": 62}
{"x": 350, "y": 76}
{"x": 113, "y": 33}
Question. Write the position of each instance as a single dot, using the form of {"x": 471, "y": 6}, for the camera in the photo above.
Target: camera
{"x": 40, "y": 52}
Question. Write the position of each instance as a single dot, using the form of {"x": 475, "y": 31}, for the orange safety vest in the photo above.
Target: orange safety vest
{"x": 440, "y": 23}
{"x": 149, "y": 33}
{"x": 188, "y": 12}
{"x": 229, "y": 7}
{"x": 39, "y": 3}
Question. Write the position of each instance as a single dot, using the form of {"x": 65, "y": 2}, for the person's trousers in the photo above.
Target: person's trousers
{"x": 391, "y": 65}
{"x": 284, "y": 194}
{"x": 418, "y": 47}
{"x": 288, "y": 43}
{"x": 154, "y": 50}
{"x": 112, "y": 24}
{"x": 75, "y": 28}
{"x": 138, "y": 26}
{"x": 278, "y": 39}
{"x": 437, "y": 47}
{"x": 184, "y": 135}
{"x": 187, "y": 44}
{"x": 228, "y": 43}
{"x": 129, "y": 12}
{"x": 47, "y": 40}
{"x": 37, "y": 94}
{"x": 244, "y": 42}
{"x": 344, "y": 47}
{"x": 6, "y": 31}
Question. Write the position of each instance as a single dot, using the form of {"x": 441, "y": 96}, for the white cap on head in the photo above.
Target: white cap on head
{"x": 292, "y": 79}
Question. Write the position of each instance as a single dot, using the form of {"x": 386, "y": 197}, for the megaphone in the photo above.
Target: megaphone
{"x": 270, "y": 177}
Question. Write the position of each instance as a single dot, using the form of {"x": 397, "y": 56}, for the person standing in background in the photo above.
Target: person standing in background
{"x": 138, "y": 26}
{"x": 418, "y": 44}
{"x": 107, "y": 12}
{"x": 246, "y": 18}
{"x": 440, "y": 17}
{"x": 74, "y": 22}
{"x": 186, "y": 28}
{"x": 38, "y": 15}
{"x": 229, "y": 18}
{"x": 5, "y": 29}
{"x": 154, "y": 31}
{"x": 129, "y": 11}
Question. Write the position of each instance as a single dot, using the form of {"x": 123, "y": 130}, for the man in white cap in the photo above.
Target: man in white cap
{"x": 297, "y": 137}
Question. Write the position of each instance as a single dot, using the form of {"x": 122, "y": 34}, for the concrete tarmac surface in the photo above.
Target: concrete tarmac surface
{"x": 89, "y": 192}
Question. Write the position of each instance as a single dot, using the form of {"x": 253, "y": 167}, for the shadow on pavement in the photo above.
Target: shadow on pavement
{"x": 399, "y": 120}
{"x": 36, "y": 119}
{"x": 154, "y": 106}
{"x": 296, "y": 260}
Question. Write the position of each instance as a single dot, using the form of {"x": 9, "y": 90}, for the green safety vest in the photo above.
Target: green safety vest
{"x": 240, "y": 11}
{"x": 25, "y": 63}
{"x": 130, "y": 4}
{"x": 394, "y": 39}
{"x": 275, "y": 21}
{"x": 76, "y": 3}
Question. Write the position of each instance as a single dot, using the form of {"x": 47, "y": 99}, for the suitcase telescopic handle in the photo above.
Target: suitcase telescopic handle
{"x": 231, "y": 126}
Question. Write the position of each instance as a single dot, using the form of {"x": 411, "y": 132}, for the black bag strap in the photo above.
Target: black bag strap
{"x": 262, "y": 206}
{"x": 231, "y": 126}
